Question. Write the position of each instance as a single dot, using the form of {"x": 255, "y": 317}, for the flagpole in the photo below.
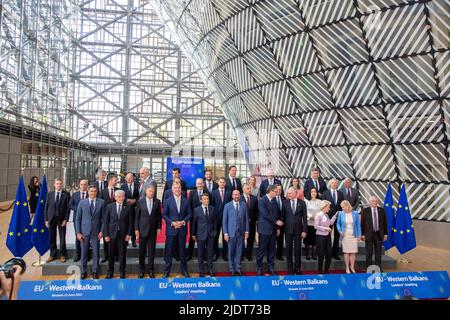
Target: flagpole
{"x": 39, "y": 263}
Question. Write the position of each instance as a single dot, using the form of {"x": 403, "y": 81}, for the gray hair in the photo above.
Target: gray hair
{"x": 118, "y": 193}
{"x": 99, "y": 173}
{"x": 324, "y": 204}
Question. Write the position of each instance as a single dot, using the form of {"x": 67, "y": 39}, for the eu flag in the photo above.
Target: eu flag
{"x": 390, "y": 215}
{"x": 403, "y": 236}
{"x": 40, "y": 236}
{"x": 19, "y": 235}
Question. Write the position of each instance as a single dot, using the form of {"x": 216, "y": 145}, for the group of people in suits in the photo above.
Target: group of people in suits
{"x": 239, "y": 212}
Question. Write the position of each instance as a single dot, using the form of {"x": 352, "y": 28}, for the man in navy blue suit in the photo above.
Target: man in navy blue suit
{"x": 314, "y": 182}
{"x": 220, "y": 197}
{"x": 268, "y": 229}
{"x": 235, "y": 229}
{"x": 204, "y": 229}
{"x": 270, "y": 181}
{"x": 177, "y": 214}
{"x": 73, "y": 204}
{"x": 195, "y": 200}
{"x": 252, "y": 208}
{"x": 232, "y": 181}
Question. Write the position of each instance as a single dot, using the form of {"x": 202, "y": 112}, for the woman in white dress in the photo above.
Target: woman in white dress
{"x": 313, "y": 208}
{"x": 349, "y": 227}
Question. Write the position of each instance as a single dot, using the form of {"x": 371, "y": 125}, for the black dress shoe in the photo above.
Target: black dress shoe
{"x": 239, "y": 273}
{"x": 225, "y": 258}
{"x": 233, "y": 273}
{"x": 280, "y": 258}
{"x": 141, "y": 275}
{"x": 110, "y": 275}
{"x": 151, "y": 274}
{"x": 259, "y": 272}
{"x": 165, "y": 275}
{"x": 177, "y": 258}
{"x": 272, "y": 273}
{"x": 186, "y": 275}
{"x": 104, "y": 260}
{"x": 291, "y": 272}
{"x": 336, "y": 257}
{"x": 299, "y": 272}
{"x": 134, "y": 244}
{"x": 249, "y": 258}
{"x": 76, "y": 259}
{"x": 116, "y": 259}
{"x": 83, "y": 276}
{"x": 123, "y": 275}
{"x": 201, "y": 275}
{"x": 212, "y": 274}
{"x": 188, "y": 258}
{"x": 216, "y": 258}
{"x": 95, "y": 275}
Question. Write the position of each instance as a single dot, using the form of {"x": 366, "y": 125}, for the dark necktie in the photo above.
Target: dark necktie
{"x": 279, "y": 202}
{"x": 317, "y": 185}
{"x": 334, "y": 196}
{"x": 234, "y": 183}
{"x": 83, "y": 195}
{"x": 293, "y": 206}
{"x": 206, "y": 212}
{"x": 112, "y": 194}
{"x": 375, "y": 219}
{"x": 349, "y": 193}
{"x": 92, "y": 206}
{"x": 248, "y": 201}
{"x": 209, "y": 186}
{"x": 119, "y": 210}
{"x": 57, "y": 198}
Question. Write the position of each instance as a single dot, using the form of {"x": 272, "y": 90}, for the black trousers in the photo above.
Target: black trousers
{"x": 280, "y": 241}
{"x": 293, "y": 241}
{"x": 191, "y": 245}
{"x": 180, "y": 239}
{"x": 266, "y": 247}
{"x": 251, "y": 239}
{"x": 55, "y": 226}
{"x": 205, "y": 249}
{"x": 323, "y": 244}
{"x": 374, "y": 245}
{"x": 147, "y": 244}
{"x": 106, "y": 250}
{"x": 336, "y": 238}
{"x": 224, "y": 243}
{"x": 77, "y": 244}
{"x": 118, "y": 247}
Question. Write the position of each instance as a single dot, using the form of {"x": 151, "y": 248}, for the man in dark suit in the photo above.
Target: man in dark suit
{"x": 176, "y": 173}
{"x": 57, "y": 213}
{"x": 210, "y": 184}
{"x": 177, "y": 214}
{"x": 374, "y": 231}
{"x": 204, "y": 229}
{"x": 73, "y": 204}
{"x": 252, "y": 209}
{"x": 108, "y": 196}
{"x": 145, "y": 181}
{"x": 232, "y": 181}
{"x": 101, "y": 182}
{"x": 335, "y": 197}
{"x": 278, "y": 202}
{"x": 314, "y": 182}
{"x": 350, "y": 194}
{"x": 117, "y": 230}
{"x": 131, "y": 189}
{"x": 294, "y": 217}
{"x": 268, "y": 228}
{"x": 271, "y": 180}
{"x": 195, "y": 200}
{"x": 89, "y": 226}
{"x": 220, "y": 197}
{"x": 147, "y": 226}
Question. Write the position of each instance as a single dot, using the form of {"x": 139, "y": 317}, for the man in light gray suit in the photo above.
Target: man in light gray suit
{"x": 350, "y": 194}
{"x": 145, "y": 182}
{"x": 89, "y": 229}
{"x": 235, "y": 228}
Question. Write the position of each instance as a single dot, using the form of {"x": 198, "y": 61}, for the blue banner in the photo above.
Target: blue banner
{"x": 190, "y": 169}
{"x": 364, "y": 286}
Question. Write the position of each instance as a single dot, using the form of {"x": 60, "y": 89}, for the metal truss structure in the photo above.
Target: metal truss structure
{"x": 359, "y": 88}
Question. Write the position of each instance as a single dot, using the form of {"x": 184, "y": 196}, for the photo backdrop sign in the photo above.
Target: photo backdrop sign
{"x": 190, "y": 169}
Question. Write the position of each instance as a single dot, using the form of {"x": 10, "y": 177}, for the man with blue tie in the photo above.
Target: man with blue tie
{"x": 73, "y": 204}
{"x": 195, "y": 200}
{"x": 204, "y": 228}
{"x": 236, "y": 229}
{"x": 89, "y": 227}
{"x": 314, "y": 182}
{"x": 269, "y": 223}
{"x": 335, "y": 197}
{"x": 210, "y": 184}
{"x": 278, "y": 201}
{"x": 220, "y": 197}
{"x": 270, "y": 181}
{"x": 177, "y": 214}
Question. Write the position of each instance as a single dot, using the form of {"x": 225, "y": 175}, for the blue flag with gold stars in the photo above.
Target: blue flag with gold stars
{"x": 403, "y": 236}
{"x": 40, "y": 236}
{"x": 19, "y": 235}
{"x": 390, "y": 216}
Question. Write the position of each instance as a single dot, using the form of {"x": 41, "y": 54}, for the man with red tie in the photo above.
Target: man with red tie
{"x": 108, "y": 196}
